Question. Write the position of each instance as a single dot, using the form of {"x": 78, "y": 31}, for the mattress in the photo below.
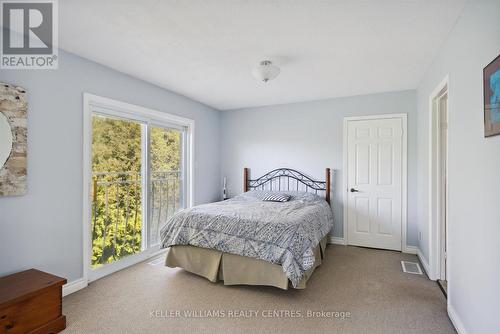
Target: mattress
{"x": 234, "y": 269}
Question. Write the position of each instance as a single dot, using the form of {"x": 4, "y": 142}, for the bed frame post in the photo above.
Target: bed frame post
{"x": 245, "y": 180}
{"x": 327, "y": 195}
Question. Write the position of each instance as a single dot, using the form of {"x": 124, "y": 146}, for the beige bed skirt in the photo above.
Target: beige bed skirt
{"x": 234, "y": 269}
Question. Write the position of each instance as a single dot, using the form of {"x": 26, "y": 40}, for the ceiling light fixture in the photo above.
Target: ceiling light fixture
{"x": 266, "y": 71}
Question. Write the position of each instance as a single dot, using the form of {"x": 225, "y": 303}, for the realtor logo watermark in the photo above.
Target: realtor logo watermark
{"x": 29, "y": 34}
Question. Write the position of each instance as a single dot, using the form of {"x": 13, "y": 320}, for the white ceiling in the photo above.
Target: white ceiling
{"x": 206, "y": 49}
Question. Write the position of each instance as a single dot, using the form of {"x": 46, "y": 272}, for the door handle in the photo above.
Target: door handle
{"x": 354, "y": 190}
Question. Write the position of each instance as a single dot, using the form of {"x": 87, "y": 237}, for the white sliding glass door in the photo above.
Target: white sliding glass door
{"x": 167, "y": 186}
{"x": 117, "y": 189}
{"x": 138, "y": 177}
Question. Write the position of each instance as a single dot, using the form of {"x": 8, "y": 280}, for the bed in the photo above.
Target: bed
{"x": 246, "y": 240}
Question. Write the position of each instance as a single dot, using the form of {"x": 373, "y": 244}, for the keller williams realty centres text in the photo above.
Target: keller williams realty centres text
{"x": 249, "y": 314}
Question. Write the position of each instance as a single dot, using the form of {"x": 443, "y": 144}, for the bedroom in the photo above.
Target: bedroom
{"x": 179, "y": 85}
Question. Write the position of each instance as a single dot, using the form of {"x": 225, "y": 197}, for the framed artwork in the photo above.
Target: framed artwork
{"x": 13, "y": 140}
{"x": 491, "y": 87}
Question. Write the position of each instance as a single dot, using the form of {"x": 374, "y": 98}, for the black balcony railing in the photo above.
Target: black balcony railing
{"x": 117, "y": 212}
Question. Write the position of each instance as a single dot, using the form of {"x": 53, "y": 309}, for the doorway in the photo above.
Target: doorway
{"x": 137, "y": 174}
{"x": 375, "y": 165}
{"x": 439, "y": 174}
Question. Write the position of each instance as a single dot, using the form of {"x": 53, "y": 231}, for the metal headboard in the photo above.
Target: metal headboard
{"x": 267, "y": 180}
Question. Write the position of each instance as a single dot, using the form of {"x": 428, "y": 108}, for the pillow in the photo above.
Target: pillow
{"x": 276, "y": 198}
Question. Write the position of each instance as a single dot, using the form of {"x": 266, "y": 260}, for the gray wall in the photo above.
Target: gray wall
{"x": 44, "y": 228}
{"x": 308, "y": 137}
{"x": 474, "y": 169}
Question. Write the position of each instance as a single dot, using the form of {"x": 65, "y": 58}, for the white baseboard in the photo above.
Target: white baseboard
{"x": 74, "y": 286}
{"x": 336, "y": 241}
{"x": 410, "y": 250}
{"x": 424, "y": 262}
{"x": 455, "y": 320}
{"x": 81, "y": 283}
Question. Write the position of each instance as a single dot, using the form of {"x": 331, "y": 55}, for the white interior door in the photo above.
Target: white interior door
{"x": 376, "y": 168}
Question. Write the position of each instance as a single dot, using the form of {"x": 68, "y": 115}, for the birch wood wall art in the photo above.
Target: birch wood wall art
{"x": 13, "y": 140}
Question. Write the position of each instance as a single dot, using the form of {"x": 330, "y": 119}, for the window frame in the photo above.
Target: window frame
{"x": 94, "y": 104}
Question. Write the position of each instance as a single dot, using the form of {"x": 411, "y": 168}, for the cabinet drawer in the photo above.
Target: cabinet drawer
{"x": 31, "y": 313}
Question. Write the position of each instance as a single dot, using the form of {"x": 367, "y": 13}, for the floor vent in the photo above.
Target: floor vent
{"x": 156, "y": 261}
{"x": 411, "y": 267}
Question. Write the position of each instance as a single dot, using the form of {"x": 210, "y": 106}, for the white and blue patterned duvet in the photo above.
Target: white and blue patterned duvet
{"x": 281, "y": 233}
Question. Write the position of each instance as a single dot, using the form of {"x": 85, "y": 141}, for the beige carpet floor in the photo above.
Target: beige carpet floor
{"x": 367, "y": 283}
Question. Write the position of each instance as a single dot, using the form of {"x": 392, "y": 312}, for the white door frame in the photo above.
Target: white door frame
{"x": 404, "y": 171}
{"x": 131, "y": 111}
{"x": 435, "y": 234}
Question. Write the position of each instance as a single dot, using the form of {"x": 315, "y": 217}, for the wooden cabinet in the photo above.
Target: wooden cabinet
{"x": 31, "y": 302}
